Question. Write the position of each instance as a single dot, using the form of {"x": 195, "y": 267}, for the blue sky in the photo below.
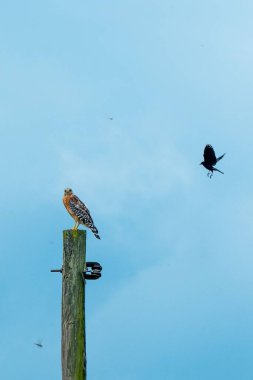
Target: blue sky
{"x": 175, "y": 299}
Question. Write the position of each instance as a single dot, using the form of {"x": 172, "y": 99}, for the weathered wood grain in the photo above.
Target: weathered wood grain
{"x": 73, "y": 304}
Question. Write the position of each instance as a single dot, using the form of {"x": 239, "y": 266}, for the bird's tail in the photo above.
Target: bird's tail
{"x": 217, "y": 170}
{"x": 218, "y": 159}
{"x": 95, "y": 231}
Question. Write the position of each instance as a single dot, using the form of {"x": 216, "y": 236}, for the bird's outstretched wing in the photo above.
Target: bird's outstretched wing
{"x": 209, "y": 155}
{"x": 219, "y": 158}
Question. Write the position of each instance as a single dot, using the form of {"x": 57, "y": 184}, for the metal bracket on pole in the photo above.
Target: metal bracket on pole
{"x": 56, "y": 270}
{"x": 92, "y": 271}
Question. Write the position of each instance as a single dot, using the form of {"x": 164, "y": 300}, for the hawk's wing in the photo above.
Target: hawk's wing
{"x": 80, "y": 210}
{"x": 209, "y": 155}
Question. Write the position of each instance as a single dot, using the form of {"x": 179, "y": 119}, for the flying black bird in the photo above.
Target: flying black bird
{"x": 210, "y": 160}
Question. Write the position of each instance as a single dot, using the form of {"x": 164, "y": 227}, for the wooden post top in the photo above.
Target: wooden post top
{"x": 77, "y": 232}
{"x": 74, "y": 236}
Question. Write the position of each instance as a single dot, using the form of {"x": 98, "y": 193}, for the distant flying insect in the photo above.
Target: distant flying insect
{"x": 210, "y": 160}
{"x": 38, "y": 344}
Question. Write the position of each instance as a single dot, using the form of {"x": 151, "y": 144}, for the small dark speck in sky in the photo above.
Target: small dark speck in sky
{"x": 109, "y": 117}
{"x": 38, "y": 344}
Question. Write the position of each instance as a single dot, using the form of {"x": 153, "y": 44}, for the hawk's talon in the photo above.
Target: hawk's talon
{"x": 75, "y": 226}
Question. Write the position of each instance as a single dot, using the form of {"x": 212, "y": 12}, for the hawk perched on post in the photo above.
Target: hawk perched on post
{"x": 210, "y": 160}
{"x": 78, "y": 211}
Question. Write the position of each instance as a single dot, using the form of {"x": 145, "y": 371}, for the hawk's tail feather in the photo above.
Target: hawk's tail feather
{"x": 95, "y": 231}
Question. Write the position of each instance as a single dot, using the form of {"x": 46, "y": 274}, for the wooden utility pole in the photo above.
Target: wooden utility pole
{"x": 75, "y": 271}
{"x": 73, "y": 305}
